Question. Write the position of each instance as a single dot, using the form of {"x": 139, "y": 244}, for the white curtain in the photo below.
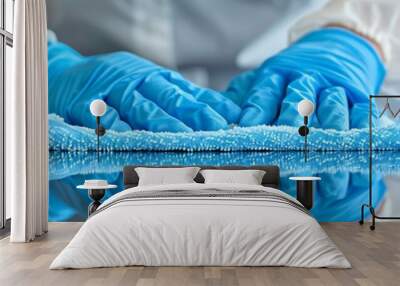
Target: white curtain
{"x": 26, "y": 124}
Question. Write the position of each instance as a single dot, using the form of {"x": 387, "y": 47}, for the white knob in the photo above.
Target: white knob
{"x": 305, "y": 107}
{"x": 98, "y": 107}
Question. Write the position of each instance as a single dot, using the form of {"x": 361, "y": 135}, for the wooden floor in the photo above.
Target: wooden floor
{"x": 375, "y": 257}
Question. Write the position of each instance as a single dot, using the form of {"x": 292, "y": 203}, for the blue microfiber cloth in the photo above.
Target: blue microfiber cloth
{"x": 65, "y": 137}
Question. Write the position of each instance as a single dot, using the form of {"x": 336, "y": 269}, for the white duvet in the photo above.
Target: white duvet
{"x": 200, "y": 231}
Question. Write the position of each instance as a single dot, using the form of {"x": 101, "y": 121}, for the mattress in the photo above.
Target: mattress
{"x": 201, "y": 225}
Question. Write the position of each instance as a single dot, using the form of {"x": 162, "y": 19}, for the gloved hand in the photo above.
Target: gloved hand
{"x": 334, "y": 68}
{"x": 338, "y": 196}
{"x": 67, "y": 204}
{"x": 139, "y": 94}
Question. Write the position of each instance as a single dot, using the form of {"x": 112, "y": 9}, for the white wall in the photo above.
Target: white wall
{"x": 9, "y": 67}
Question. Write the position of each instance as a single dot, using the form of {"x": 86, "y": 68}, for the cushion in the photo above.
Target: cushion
{"x": 248, "y": 177}
{"x": 166, "y": 176}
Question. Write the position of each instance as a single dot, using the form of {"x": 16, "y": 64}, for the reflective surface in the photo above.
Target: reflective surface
{"x": 338, "y": 196}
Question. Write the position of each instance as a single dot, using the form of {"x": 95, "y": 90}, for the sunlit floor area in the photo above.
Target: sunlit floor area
{"x": 374, "y": 255}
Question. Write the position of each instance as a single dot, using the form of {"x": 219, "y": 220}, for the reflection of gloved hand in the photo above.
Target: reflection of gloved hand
{"x": 66, "y": 203}
{"x": 333, "y": 67}
{"x": 139, "y": 94}
{"x": 338, "y": 197}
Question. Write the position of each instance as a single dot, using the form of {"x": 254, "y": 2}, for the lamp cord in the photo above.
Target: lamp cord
{"x": 305, "y": 148}
{"x": 98, "y": 138}
{"x": 98, "y": 149}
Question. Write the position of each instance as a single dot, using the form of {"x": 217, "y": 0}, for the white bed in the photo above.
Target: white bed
{"x": 185, "y": 230}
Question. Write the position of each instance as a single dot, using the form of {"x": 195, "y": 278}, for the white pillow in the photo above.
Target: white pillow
{"x": 166, "y": 176}
{"x": 248, "y": 177}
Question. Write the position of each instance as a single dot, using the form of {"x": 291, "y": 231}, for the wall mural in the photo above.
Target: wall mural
{"x": 139, "y": 99}
{"x": 338, "y": 196}
{"x": 183, "y": 85}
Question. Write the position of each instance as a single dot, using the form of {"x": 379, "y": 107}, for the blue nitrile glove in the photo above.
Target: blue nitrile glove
{"x": 334, "y": 68}
{"x": 139, "y": 94}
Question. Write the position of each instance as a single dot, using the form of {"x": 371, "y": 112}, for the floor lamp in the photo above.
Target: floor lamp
{"x": 394, "y": 114}
{"x": 98, "y": 108}
{"x": 97, "y": 187}
{"x": 305, "y": 109}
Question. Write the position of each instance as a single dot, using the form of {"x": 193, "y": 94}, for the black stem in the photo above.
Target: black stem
{"x": 98, "y": 138}
{"x": 305, "y": 138}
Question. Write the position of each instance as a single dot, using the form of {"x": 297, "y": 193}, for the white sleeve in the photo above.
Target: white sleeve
{"x": 376, "y": 19}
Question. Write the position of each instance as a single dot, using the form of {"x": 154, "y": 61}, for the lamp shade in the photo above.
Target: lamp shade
{"x": 305, "y": 107}
{"x": 98, "y": 107}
